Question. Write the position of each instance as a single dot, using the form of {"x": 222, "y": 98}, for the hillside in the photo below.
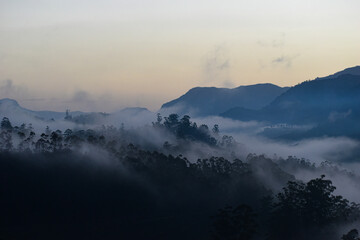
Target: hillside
{"x": 309, "y": 102}
{"x": 331, "y": 107}
{"x": 205, "y": 101}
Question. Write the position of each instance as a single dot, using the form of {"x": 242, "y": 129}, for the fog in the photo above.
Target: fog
{"x": 158, "y": 169}
{"x": 248, "y": 134}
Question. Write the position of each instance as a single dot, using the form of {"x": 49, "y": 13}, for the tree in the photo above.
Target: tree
{"x": 185, "y": 121}
{"x": 351, "y": 235}
{"x": 68, "y": 133}
{"x": 56, "y": 140}
{"x": 185, "y": 130}
{"x": 158, "y": 118}
{"x": 302, "y": 209}
{"x": 68, "y": 116}
{"x": 216, "y": 130}
{"x": 6, "y": 124}
{"x": 227, "y": 141}
{"x": 235, "y": 223}
{"x": 172, "y": 122}
{"x": 47, "y": 130}
{"x": 6, "y": 141}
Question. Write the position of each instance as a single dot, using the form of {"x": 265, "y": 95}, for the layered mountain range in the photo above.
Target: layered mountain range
{"x": 329, "y": 105}
{"x": 205, "y": 101}
{"x": 11, "y": 109}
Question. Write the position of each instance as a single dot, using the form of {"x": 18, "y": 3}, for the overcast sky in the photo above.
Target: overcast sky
{"x": 107, "y": 54}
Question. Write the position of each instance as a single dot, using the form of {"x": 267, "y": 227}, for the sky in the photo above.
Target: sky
{"x": 104, "y": 55}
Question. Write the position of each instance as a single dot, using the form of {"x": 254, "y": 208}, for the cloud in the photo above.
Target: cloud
{"x": 284, "y": 60}
{"x": 79, "y": 100}
{"x": 334, "y": 149}
{"x": 34, "y": 99}
{"x": 262, "y": 43}
{"x": 275, "y": 43}
{"x": 278, "y": 43}
{"x": 85, "y": 101}
{"x": 9, "y": 90}
{"x": 228, "y": 84}
{"x": 339, "y": 149}
{"x": 82, "y": 98}
{"x": 334, "y": 116}
{"x": 216, "y": 67}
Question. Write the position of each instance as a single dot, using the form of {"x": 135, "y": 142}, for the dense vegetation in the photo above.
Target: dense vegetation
{"x": 106, "y": 183}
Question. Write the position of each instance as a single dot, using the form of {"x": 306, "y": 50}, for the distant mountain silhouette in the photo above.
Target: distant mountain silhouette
{"x": 331, "y": 105}
{"x": 205, "y": 101}
{"x": 11, "y": 108}
{"x": 133, "y": 110}
{"x": 9, "y": 104}
{"x": 17, "y": 114}
{"x": 352, "y": 71}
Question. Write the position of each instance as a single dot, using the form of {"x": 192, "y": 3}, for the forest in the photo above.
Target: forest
{"x": 179, "y": 120}
{"x": 110, "y": 182}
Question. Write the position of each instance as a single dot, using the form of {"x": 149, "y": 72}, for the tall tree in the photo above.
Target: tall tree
{"x": 6, "y": 124}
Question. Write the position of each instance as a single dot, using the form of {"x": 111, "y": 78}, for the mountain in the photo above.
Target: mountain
{"x": 352, "y": 71}
{"x": 130, "y": 117}
{"x": 133, "y": 111}
{"x": 125, "y": 115}
{"x": 10, "y": 108}
{"x": 331, "y": 106}
{"x": 308, "y": 102}
{"x": 205, "y": 101}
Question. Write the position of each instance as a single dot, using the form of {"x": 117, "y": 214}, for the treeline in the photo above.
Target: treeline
{"x": 24, "y": 137}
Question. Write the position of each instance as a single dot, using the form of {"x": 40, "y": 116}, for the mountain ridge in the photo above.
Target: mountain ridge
{"x": 335, "y": 94}
{"x": 351, "y": 70}
{"x": 331, "y": 105}
{"x": 204, "y": 101}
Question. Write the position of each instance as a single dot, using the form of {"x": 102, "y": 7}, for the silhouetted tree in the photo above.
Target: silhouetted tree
{"x": 351, "y": 235}
{"x": 47, "y": 131}
{"x": 227, "y": 141}
{"x": 6, "y": 124}
{"x": 68, "y": 115}
{"x": 172, "y": 122}
{"x": 215, "y": 129}
{"x": 185, "y": 130}
{"x": 304, "y": 208}
{"x": 235, "y": 223}
{"x": 158, "y": 120}
{"x": 56, "y": 140}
